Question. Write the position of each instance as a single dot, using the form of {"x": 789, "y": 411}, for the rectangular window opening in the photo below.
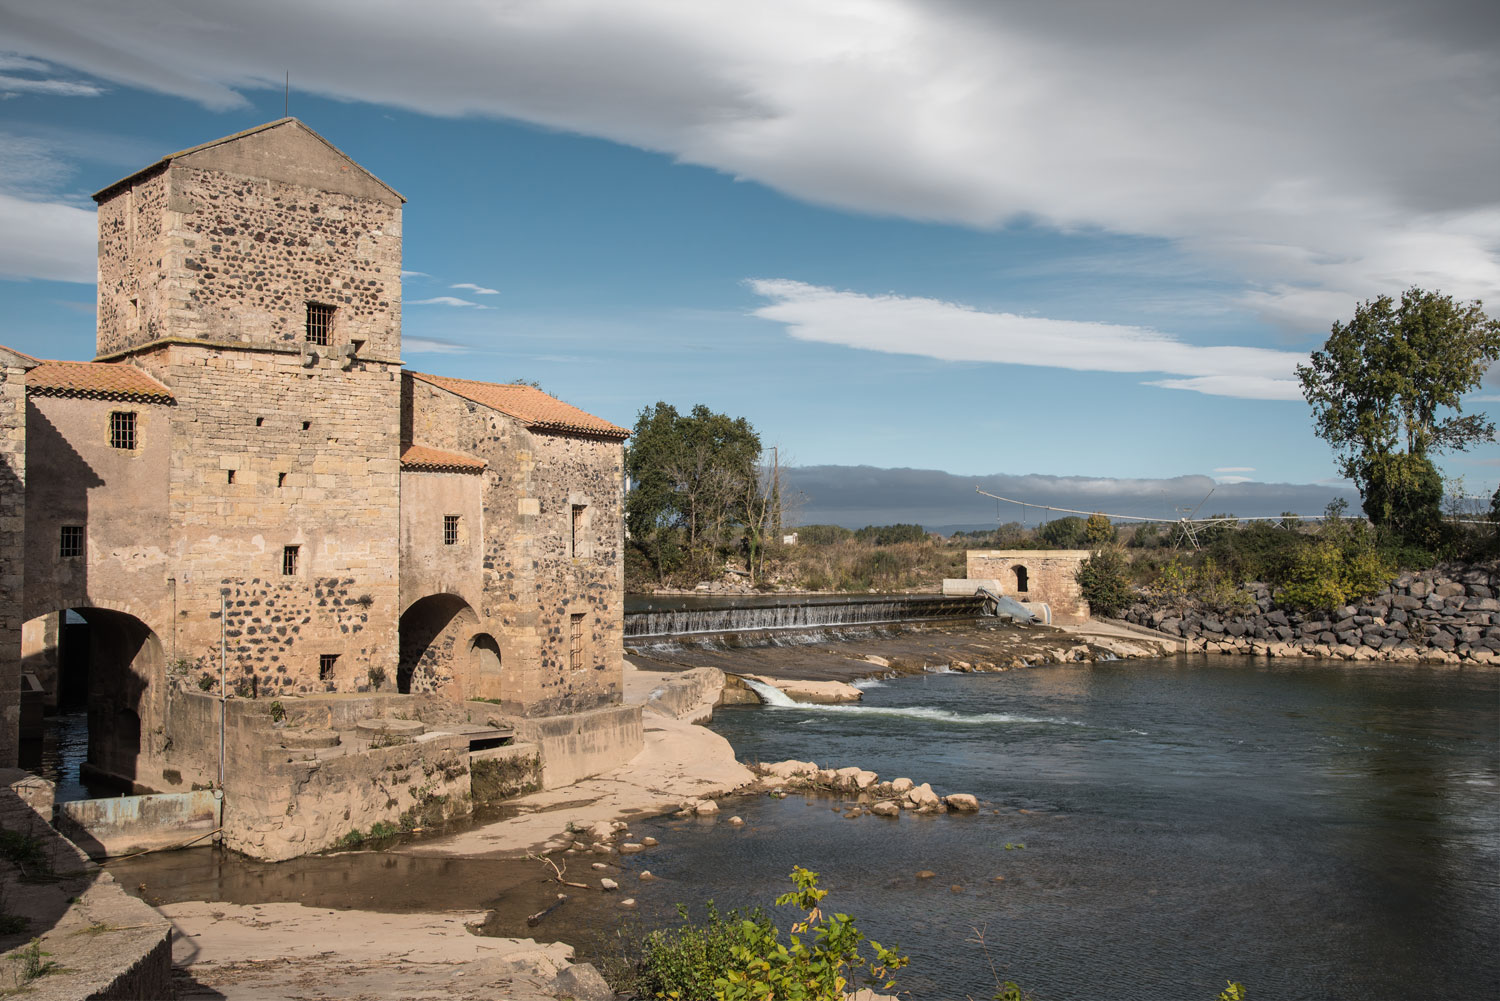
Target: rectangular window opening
{"x": 578, "y": 510}
{"x": 70, "y": 544}
{"x": 450, "y": 529}
{"x": 259, "y": 421}
{"x": 575, "y": 642}
{"x": 306, "y": 425}
{"x": 122, "y": 429}
{"x": 289, "y": 560}
{"x": 319, "y": 323}
{"x": 281, "y": 479}
{"x": 326, "y": 662}
{"x": 230, "y": 478}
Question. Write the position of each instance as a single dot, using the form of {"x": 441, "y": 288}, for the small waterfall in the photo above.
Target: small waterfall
{"x": 770, "y": 694}
{"x": 800, "y": 615}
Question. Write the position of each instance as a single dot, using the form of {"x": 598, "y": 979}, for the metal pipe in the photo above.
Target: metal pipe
{"x": 223, "y": 668}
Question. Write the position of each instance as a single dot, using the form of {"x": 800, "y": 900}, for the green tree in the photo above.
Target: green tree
{"x": 1064, "y": 533}
{"x": 1103, "y": 579}
{"x": 1381, "y": 389}
{"x": 689, "y": 478}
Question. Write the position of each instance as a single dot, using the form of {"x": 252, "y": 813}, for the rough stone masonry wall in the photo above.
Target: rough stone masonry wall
{"x": 231, "y": 244}
{"x": 314, "y": 455}
{"x": 1449, "y": 615}
{"x": 533, "y": 582}
{"x": 1051, "y": 577}
{"x": 12, "y": 551}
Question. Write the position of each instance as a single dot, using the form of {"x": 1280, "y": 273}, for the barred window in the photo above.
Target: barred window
{"x": 450, "y": 529}
{"x": 70, "y": 545}
{"x": 326, "y": 662}
{"x": 578, "y": 510}
{"x": 575, "y": 642}
{"x": 122, "y": 428}
{"x": 319, "y": 323}
{"x": 289, "y": 560}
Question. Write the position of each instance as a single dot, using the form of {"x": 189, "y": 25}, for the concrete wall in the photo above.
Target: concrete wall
{"x": 1049, "y": 576}
{"x": 124, "y": 825}
{"x": 580, "y": 745}
{"x": 232, "y": 242}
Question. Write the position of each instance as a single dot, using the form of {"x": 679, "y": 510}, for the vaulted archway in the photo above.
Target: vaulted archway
{"x": 436, "y": 636}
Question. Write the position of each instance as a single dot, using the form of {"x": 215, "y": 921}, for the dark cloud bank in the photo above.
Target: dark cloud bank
{"x": 855, "y": 496}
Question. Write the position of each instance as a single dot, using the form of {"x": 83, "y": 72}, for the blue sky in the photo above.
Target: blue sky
{"x": 977, "y": 238}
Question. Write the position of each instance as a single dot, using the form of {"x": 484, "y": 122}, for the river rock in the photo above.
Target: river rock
{"x": 886, "y": 809}
{"x": 630, "y": 848}
{"x": 790, "y": 768}
{"x": 599, "y": 865}
{"x": 628, "y": 902}
{"x": 962, "y": 801}
{"x": 846, "y": 777}
{"x": 865, "y": 779}
{"x": 645, "y": 876}
{"x": 602, "y": 831}
{"x": 707, "y": 808}
{"x": 900, "y": 786}
{"x": 649, "y": 842}
{"x": 736, "y": 822}
{"x": 926, "y": 874}
{"x": 826, "y": 776}
{"x": 608, "y": 884}
{"x": 922, "y": 797}
{"x": 600, "y": 848}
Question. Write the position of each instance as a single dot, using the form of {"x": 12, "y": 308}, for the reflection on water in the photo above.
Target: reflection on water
{"x": 1318, "y": 832}
{"x": 65, "y": 747}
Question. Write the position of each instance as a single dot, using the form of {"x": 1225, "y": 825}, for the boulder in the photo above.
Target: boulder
{"x": 864, "y": 779}
{"x": 630, "y": 848}
{"x": 649, "y": 842}
{"x": 789, "y": 769}
{"x": 608, "y": 884}
{"x": 736, "y": 822}
{"x": 707, "y": 808}
{"x": 900, "y": 786}
{"x": 962, "y": 801}
{"x": 886, "y": 809}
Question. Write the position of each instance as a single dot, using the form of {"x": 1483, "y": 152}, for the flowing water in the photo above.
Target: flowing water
{"x": 1316, "y": 832}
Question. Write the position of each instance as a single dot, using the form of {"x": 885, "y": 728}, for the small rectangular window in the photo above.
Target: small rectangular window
{"x": 70, "y": 545}
{"x": 577, "y": 529}
{"x": 575, "y": 642}
{"x": 289, "y": 560}
{"x": 450, "y": 529}
{"x": 231, "y": 475}
{"x": 319, "y": 323}
{"x": 122, "y": 429}
{"x": 326, "y": 661}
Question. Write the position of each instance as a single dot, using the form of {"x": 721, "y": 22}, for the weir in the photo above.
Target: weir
{"x": 867, "y": 611}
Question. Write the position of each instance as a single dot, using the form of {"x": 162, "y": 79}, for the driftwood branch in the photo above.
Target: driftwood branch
{"x": 558, "y": 873}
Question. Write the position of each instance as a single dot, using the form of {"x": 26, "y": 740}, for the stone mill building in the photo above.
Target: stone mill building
{"x": 247, "y": 478}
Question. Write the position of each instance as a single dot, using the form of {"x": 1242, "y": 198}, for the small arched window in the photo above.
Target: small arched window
{"x": 1022, "y": 586}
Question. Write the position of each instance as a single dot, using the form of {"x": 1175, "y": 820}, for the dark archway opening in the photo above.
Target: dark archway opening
{"x": 102, "y": 662}
{"x": 1022, "y": 584}
{"x": 429, "y": 635}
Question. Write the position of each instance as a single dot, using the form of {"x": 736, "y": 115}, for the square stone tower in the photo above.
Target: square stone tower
{"x": 258, "y": 277}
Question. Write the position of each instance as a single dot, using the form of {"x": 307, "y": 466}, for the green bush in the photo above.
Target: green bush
{"x": 1064, "y": 533}
{"x": 1103, "y": 578}
{"x": 1324, "y": 576}
{"x": 889, "y": 535}
{"x": 740, "y": 957}
{"x": 822, "y": 535}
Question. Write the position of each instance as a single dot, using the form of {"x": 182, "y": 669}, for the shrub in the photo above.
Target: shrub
{"x": 740, "y": 957}
{"x": 1099, "y": 529}
{"x": 1103, "y": 580}
{"x": 889, "y": 535}
{"x": 1064, "y": 533}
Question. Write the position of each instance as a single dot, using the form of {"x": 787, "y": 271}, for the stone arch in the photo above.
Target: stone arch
{"x": 1023, "y": 578}
{"x": 486, "y": 664}
{"x": 114, "y": 670}
{"x": 435, "y": 633}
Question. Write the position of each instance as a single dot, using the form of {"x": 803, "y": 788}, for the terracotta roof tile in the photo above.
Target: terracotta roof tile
{"x": 421, "y": 458}
{"x": 97, "y": 381}
{"x": 528, "y": 405}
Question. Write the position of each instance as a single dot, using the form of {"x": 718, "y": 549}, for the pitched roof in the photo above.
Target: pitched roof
{"x": 167, "y": 160}
{"x": 528, "y": 405}
{"x": 422, "y": 459}
{"x": 96, "y": 380}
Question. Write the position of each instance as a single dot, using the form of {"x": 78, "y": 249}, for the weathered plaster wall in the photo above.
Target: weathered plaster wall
{"x": 231, "y": 243}
{"x": 40, "y": 650}
{"x": 313, "y": 450}
{"x": 1050, "y": 576}
{"x": 428, "y": 566}
{"x": 12, "y": 548}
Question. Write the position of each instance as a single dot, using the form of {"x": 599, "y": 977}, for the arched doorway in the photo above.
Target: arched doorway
{"x": 1023, "y": 585}
{"x": 435, "y": 645}
{"x": 485, "y": 661}
{"x": 100, "y": 665}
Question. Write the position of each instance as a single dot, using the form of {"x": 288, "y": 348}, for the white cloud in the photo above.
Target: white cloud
{"x": 58, "y": 242}
{"x": 414, "y": 274}
{"x": 1233, "y": 479}
{"x": 54, "y": 88}
{"x": 1487, "y": 398}
{"x": 953, "y": 332}
{"x": 432, "y": 346}
{"x": 446, "y": 300}
{"x": 1235, "y": 469}
{"x": 476, "y": 289}
{"x": 1323, "y": 152}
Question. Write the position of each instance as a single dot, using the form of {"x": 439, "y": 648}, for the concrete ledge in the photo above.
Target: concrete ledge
{"x": 109, "y": 945}
{"x": 123, "y": 825}
{"x": 581, "y": 745}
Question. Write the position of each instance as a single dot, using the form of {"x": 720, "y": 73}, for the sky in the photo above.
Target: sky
{"x": 1083, "y": 242}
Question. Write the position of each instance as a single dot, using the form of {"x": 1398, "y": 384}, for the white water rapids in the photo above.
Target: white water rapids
{"x": 775, "y": 698}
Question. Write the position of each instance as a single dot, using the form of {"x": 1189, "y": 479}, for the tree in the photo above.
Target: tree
{"x": 1381, "y": 388}
{"x": 1064, "y": 533}
{"x": 689, "y": 476}
{"x": 1102, "y": 578}
{"x": 1098, "y": 530}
